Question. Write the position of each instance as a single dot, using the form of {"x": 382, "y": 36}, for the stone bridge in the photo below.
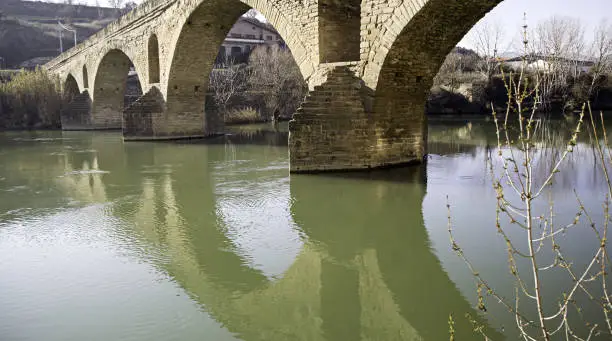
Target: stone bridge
{"x": 369, "y": 65}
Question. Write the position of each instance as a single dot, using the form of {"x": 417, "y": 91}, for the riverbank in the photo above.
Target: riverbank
{"x": 30, "y": 100}
{"x": 479, "y": 98}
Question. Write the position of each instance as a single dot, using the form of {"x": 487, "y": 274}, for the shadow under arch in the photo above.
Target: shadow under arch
{"x": 70, "y": 88}
{"x": 85, "y": 77}
{"x": 416, "y": 55}
{"x": 379, "y": 275}
{"x": 109, "y": 89}
{"x": 153, "y": 58}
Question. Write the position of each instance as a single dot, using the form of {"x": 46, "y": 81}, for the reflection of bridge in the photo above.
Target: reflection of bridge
{"x": 365, "y": 269}
{"x": 369, "y": 65}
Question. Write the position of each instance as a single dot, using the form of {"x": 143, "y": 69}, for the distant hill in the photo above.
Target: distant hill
{"x": 29, "y": 31}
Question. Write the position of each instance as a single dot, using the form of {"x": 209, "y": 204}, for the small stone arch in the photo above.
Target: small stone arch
{"x": 153, "y": 58}
{"x": 85, "y": 77}
{"x": 109, "y": 89}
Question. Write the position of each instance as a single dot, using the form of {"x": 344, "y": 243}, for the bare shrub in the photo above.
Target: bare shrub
{"x": 533, "y": 238}
{"x": 226, "y": 83}
{"x": 274, "y": 74}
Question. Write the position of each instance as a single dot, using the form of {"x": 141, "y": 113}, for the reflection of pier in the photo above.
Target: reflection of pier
{"x": 365, "y": 271}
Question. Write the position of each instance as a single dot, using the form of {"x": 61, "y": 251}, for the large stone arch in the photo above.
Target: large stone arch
{"x": 109, "y": 89}
{"x": 405, "y": 77}
{"x": 195, "y": 47}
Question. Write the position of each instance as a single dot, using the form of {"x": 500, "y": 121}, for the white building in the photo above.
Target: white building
{"x": 244, "y": 37}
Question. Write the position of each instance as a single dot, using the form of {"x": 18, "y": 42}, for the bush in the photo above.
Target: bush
{"x": 31, "y": 99}
{"x": 274, "y": 73}
{"x": 244, "y": 115}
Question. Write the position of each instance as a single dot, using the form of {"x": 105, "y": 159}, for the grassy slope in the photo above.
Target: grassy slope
{"x": 29, "y": 29}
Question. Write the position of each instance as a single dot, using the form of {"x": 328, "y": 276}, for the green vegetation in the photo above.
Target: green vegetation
{"x": 28, "y": 29}
{"x": 30, "y": 100}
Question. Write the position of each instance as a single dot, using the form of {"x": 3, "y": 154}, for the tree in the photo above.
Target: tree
{"x": 533, "y": 238}
{"x": 130, "y": 5}
{"x": 226, "y": 84}
{"x": 116, "y": 4}
{"x": 274, "y": 73}
{"x": 601, "y": 52}
{"x": 486, "y": 39}
{"x": 100, "y": 10}
{"x": 558, "y": 44}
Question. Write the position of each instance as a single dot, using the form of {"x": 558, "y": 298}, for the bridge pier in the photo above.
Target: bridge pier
{"x": 344, "y": 125}
{"x": 149, "y": 119}
{"x": 77, "y": 114}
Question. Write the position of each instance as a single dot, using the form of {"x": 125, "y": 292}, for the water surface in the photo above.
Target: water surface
{"x": 105, "y": 240}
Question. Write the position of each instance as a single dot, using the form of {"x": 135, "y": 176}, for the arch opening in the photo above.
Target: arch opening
{"x": 203, "y": 83}
{"x": 153, "y": 49}
{"x": 71, "y": 88}
{"x": 116, "y": 87}
{"x": 85, "y": 77}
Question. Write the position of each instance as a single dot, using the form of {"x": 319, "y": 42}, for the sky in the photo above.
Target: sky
{"x": 509, "y": 15}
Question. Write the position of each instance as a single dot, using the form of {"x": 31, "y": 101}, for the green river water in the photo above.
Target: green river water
{"x": 214, "y": 240}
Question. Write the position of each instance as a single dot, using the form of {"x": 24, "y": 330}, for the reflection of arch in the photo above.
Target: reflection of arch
{"x": 85, "y": 77}
{"x": 153, "y": 48}
{"x": 362, "y": 271}
{"x": 71, "y": 87}
{"x": 109, "y": 89}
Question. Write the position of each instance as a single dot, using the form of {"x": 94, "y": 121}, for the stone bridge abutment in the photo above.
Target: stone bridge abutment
{"x": 369, "y": 65}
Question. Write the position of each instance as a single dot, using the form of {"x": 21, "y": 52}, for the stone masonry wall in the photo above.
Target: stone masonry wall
{"x": 77, "y": 114}
{"x": 339, "y": 30}
{"x": 332, "y": 130}
{"x": 391, "y": 48}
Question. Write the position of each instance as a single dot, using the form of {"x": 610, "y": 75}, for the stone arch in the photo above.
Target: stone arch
{"x": 109, "y": 89}
{"x": 71, "y": 88}
{"x": 413, "y": 60}
{"x": 153, "y": 59}
{"x": 193, "y": 58}
{"x": 85, "y": 77}
{"x": 431, "y": 14}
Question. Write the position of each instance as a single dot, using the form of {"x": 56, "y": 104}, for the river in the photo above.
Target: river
{"x": 214, "y": 240}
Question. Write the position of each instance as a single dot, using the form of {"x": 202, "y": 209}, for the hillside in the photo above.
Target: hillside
{"x": 29, "y": 29}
